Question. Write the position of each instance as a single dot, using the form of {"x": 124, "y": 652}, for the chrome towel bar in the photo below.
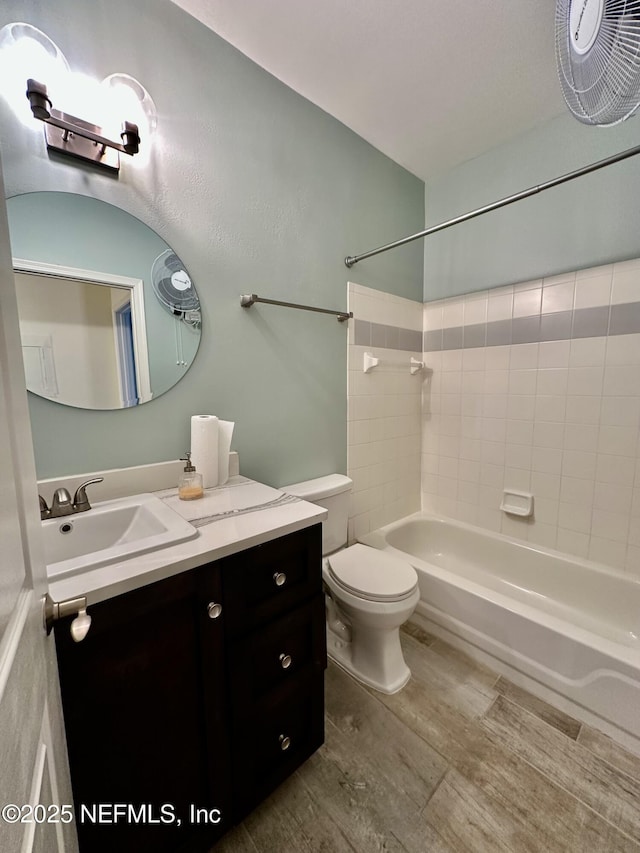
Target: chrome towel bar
{"x": 249, "y": 299}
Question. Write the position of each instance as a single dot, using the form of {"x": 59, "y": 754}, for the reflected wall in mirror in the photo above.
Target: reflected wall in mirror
{"x": 96, "y": 331}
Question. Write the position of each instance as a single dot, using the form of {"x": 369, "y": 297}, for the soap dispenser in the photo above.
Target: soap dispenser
{"x": 190, "y": 484}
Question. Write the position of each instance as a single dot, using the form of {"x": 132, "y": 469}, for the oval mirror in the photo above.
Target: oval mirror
{"x": 109, "y": 316}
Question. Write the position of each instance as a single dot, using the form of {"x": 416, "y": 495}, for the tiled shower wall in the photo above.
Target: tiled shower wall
{"x": 384, "y": 409}
{"x": 536, "y": 388}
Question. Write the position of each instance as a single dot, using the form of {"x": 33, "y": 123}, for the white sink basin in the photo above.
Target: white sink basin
{"x": 111, "y": 531}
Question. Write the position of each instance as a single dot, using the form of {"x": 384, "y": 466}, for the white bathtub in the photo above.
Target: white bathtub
{"x": 564, "y": 628}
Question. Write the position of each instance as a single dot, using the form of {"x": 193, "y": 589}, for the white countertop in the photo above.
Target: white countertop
{"x": 230, "y": 518}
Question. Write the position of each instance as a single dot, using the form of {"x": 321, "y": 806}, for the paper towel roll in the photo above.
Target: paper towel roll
{"x": 204, "y": 448}
{"x": 225, "y": 432}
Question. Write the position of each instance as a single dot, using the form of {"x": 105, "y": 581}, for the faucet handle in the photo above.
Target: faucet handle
{"x": 45, "y": 512}
{"x": 80, "y": 499}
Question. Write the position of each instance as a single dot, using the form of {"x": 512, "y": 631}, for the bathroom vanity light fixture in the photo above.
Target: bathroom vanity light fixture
{"x": 68, "y": 134}
{"x": 114, "y": 111}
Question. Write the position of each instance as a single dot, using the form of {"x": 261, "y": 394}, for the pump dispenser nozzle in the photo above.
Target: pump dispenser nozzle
{"x": 190, "y": 485}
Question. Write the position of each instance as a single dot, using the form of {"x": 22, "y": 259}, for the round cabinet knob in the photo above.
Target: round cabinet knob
{"x": 279, "y": 578}
{"x": 285, "y": 742}
{"x": 285, "y": 661}
{"x": 214, "y": 610}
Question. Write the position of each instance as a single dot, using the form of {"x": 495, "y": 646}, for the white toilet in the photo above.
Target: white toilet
{"x": 370, "y": 593}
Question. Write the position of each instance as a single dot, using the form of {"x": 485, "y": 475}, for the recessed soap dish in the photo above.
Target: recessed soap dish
{"x": 517, "y": 503}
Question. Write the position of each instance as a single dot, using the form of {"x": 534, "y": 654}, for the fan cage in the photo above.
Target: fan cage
{"x": 182, "y": 304}
{"x": 602, "y": 86}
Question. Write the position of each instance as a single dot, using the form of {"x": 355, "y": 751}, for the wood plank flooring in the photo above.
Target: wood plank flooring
{"x": 459, "y": 761}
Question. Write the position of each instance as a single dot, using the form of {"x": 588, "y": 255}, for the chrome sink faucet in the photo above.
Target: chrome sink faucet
{"x": 62, "y": 503}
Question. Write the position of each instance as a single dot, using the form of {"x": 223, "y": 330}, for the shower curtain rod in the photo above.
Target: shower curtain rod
{"x": 503, "y": 202}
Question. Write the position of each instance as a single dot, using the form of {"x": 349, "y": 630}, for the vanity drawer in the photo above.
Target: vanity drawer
{"x": 276, "y": 742}
{"x": 264, "y": 582}
{"x": 274, "y": 657}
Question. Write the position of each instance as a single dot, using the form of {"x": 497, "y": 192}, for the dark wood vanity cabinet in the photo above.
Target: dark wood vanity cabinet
{"x": 192, "y": 698}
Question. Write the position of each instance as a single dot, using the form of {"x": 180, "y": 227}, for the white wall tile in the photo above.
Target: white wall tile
{"x": 499, "y": 306}
{"x": 557, "y": 297}
{"x": 572, "y": 542}
{"x": 574, "y": 517}
{"x": 626, "y": 282}
{"x": 618, "y": 440}
{"x": 577, "y": 492}
{"x": 475, "y": 309}
{"x": 579, "y": 463}
{"x": 583, "y": 410}
{"x": 547, "y": 460}
{"x": 526, "y": 303}
{"x": 497, "y": 358}
{"x": 622, "y": 381}
{"x": 581, "y": 436}
{"x": 584, "y": 381}
{"x": 524, "y": 356}
{"x": 552, "y": 380}
{"x": 587, "y": 352}
{"x": 554, "y": 353}
{"x": 620, "y": 411}
{"x": 453, "y": 313}
{"x": 593, "y": 290}
{"x": 550, "y": 408}
{"x": 558, "y": 418}
{"x": 623, "y": 349}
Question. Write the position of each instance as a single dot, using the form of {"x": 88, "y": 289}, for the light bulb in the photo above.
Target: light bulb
{"x": 127, "y": 100}
{"x": 26, "y": 52}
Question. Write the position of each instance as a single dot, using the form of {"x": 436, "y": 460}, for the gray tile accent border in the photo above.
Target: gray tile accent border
{"x": 625, "y": 319}
{"x": 474, "y": 336}
{"x": 433, "y": 340}
{"x": 410, "y": 340}
{"x": 590, "y": 322}
{"x": 367, "y": 334}
{"x": 499, "y": 333}
{"x": 452, "y": 338}
{"x": 378, "y": 335}
{"x": 391, "y": 337}
{"x": 558, "y": 326}
{"x": 525, "y": 330}
{"x": 361, "y": 333}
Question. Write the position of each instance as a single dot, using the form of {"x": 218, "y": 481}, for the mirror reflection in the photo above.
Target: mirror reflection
{"x": 109, "y": 315}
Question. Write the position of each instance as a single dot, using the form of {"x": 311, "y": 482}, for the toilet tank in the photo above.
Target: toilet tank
{"x": 333, "y": 493}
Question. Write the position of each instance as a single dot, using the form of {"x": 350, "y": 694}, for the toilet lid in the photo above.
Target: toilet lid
{"x": 373, "y": 574}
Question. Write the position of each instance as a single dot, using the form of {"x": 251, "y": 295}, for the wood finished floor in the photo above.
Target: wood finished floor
{"x": 460, "y": 761}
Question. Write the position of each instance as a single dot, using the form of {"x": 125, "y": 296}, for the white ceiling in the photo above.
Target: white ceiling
{"x": 431, "y": 84}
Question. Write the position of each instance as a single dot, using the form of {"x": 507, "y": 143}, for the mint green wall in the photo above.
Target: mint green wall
{"x": 589, "y": 221}
{"x": 258, "y": 191}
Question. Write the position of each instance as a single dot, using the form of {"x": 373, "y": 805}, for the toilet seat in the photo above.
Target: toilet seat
{"x": 372, "y": 574}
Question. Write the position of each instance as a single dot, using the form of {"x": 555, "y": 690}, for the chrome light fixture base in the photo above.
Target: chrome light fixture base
{"x": 71, "y": 144}
{"x": 69, "y": 135}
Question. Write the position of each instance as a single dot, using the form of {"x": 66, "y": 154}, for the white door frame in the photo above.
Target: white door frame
{"x": 135, "y": 286}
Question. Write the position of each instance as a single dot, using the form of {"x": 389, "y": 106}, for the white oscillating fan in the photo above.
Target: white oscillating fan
{"x": 174, "y": 289}
{"x": 598, "y": 56}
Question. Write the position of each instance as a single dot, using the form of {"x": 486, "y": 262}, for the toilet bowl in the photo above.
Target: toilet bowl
{"x": 369, "y": 593}
{"x": 369, "y": 596}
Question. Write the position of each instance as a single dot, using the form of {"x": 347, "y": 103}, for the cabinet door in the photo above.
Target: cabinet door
{"x": 136, "y": 721}
{"x": 272, "y": 743}
{"x": 276, "y": 655}
{"x": 269, "y": 580}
